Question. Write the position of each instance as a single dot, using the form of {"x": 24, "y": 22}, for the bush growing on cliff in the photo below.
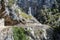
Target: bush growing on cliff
{"x": 49, "y": 16}
{"x": 19, "y": 33}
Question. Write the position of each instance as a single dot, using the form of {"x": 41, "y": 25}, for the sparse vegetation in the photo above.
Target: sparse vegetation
{"x": 49, "y": 16}
{"x": 11, "y": 2}
{"x": 24, "y": 15}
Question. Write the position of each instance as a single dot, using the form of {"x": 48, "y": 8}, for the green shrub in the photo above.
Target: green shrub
{"x": 19, "y": 33}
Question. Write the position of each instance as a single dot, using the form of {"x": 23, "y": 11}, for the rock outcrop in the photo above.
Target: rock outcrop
{"x": 6, "y": 34}
{"x": 35, "y": 32}
{"x": 8, "y": 13}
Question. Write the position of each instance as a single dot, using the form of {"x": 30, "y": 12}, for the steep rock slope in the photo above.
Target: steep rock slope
{"x": 12, "y": 13}
{"x": 35, "y": 5}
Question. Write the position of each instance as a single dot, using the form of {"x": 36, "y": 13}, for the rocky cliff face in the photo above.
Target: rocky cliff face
{"x": 5, "y": 13}
{"x": 48, "y": 3}
{"x": 35, "y": 5}
{"x": 11, "y": 8}
{"x": 11, "y": 11}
